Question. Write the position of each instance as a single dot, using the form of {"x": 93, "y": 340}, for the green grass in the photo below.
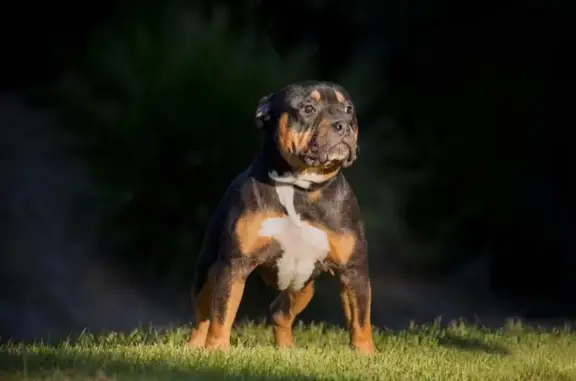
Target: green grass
{"x": 459, "y": 352}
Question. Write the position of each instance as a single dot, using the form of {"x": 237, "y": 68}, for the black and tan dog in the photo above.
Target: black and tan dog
{"x": 291, "y": 215}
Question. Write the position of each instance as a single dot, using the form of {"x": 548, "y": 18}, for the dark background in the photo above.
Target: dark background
{"x": 123, "y": 122}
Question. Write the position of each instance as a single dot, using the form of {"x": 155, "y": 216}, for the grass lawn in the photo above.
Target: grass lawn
{"x": 421, "y": 353}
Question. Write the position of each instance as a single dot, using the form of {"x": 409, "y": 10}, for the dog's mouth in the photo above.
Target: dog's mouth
{"x": 339, "y": 154}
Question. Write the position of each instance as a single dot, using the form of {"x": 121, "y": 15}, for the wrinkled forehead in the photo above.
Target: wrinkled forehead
{"x": 324, "y": 93}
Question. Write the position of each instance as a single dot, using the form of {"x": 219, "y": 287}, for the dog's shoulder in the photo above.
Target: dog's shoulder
{"x": 248, "y": 191}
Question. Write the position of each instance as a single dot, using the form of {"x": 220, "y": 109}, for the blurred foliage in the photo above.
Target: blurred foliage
{"x": 163, "y": 109}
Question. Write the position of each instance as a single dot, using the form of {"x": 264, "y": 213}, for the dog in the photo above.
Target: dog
{"x": 290, "y": 216}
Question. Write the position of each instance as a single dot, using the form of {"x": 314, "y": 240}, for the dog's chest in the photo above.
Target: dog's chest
{"x": 303, "y": 245}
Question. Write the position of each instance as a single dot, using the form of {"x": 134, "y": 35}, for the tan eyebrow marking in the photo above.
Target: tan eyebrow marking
{"x": 340, "y": 96}
{"x": 315, "y": 95}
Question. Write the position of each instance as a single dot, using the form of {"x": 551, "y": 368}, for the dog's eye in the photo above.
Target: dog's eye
{"x": 348, "y": 109}
{"x": 309, "y": 109}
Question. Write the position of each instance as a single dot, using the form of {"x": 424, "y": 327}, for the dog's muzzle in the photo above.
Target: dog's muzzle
{"x": 341, "y": 152}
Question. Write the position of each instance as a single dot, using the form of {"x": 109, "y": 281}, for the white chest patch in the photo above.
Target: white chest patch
{"x": 302, "y": 244}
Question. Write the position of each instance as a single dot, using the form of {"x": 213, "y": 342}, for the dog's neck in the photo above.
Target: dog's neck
{"x": 278, "y": 171}
{"x": 307, "y": 181}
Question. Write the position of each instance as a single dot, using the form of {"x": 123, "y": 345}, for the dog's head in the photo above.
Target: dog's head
{"x": 312, "y": 124}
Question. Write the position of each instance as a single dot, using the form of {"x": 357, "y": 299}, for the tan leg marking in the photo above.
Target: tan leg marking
{"x": 221, "y": 327}
{"x": 358, "y": 318}
{"x": 202, "y": 307}
{"x": 284, "y": 311}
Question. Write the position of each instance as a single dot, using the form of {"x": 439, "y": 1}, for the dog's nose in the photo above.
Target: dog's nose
{"x": 342, "y": 128}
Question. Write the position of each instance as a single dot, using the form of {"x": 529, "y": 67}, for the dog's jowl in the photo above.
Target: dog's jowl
{"x": 291, "y": 215}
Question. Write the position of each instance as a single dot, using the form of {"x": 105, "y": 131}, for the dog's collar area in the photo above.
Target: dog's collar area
{"x": 308, "y": 182}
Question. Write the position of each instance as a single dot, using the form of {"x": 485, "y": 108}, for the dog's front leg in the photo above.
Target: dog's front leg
{"x": 227, "y": 288}
{"x": 356, "y": 295}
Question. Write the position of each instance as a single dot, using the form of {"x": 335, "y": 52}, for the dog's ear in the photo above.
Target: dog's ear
{"x": 263, "y": 111}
